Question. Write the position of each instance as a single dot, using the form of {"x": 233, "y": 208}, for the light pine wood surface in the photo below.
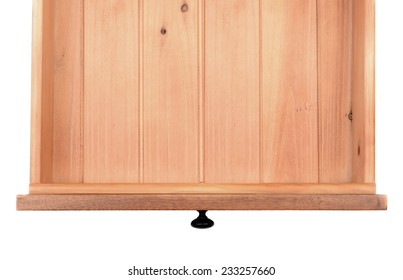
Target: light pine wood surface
{"x": 232, "y": 91}
{"x": 247, "y": 97}
{"x": 289, "y": 93}
{"x": 364, "y": 91}
{"x": 335, "y": 27}
{"x": 46, "y": 96}
{"x": 68, "y": 92}
{"x": 36, "y": 91}
{"x": 171, "y": 92}
{"x": 204, "y": 201}
{"x": 172, "y": 188}
{"x": 111, "y": 140}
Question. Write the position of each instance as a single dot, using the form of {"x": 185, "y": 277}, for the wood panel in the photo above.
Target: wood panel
{"x": 201, "y": 72}
{"x": 194, "y": 201}
{"x": 364, "y": 91}
{"x": 232, "y": 91}
{"x": 46, "y": 130}
{"x": 289, "y": 91}
{"x": 36, "y": 88}
{"x": 334, "y": 80}
{"x": 171, "y": 91}
{"x": 111, "y": 142}
{"x": 67, "y": 91}
{"x": 205, "y": 188}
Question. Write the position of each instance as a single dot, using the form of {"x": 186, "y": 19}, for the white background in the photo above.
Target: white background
{"x": 103, "y": 245}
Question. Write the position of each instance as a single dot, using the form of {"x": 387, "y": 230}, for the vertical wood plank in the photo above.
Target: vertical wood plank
{"x": 47, "y": 91}
{"x": 111, "y": 143}
{"x": 334, "y": 80}
{"x": 364, "y": 91}
{"x": 67, "y": 91}
{"x": 201, "y": 73}
{"x": 289, "y": 94}
{"x": 141, "y": 89}
{"x": 170, "y": 91}
{"x": 36, "y": 91}
{"x": 232, "y": 91}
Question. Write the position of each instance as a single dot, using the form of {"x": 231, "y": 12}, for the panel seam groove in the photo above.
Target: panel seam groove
{"x": 261, "y": 177}
{"x": 82, "y": 58}
{"x": 200, "y": 69}
{"x": 317, "y": 92}
{"x": 141, "y": 89}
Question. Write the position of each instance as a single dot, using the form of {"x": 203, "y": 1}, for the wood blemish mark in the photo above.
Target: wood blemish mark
{"x": 304, "y": 108}
{"x": 184, "y": 8}
{"x": 359, "y": 150}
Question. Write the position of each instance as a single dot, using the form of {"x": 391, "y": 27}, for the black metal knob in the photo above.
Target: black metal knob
{"x": 202, "y": 221}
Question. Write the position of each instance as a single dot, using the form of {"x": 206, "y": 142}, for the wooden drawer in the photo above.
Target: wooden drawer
{"x": 203, "y": 104}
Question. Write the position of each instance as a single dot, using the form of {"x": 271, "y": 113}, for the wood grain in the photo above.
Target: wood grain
{"x": 36, "y": 88}
{"x": 171, "y": 92}
{"x": 68, "y": 92}
{"x": 232, "y": 91}
{"x": 173, "y": 188}
{"x": 194, "y": 202}
{"x": 111, "y": 143}
{"x": 141, "y": 89}
{"x": 251, "y": 96}
{"x": 201, "y": 73}
{"x": 289, "y": 93}
{"x": 47, "y": 110}
{"x": 334, "y": 80}
{"x": 363, "y": 100}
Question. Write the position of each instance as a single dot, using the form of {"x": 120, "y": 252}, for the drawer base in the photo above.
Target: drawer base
{"x": 201, "y": 201}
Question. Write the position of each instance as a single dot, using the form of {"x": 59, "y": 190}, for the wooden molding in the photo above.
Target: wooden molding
{"x": 195, "y": 201}
{"x": 202, "y": 189}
